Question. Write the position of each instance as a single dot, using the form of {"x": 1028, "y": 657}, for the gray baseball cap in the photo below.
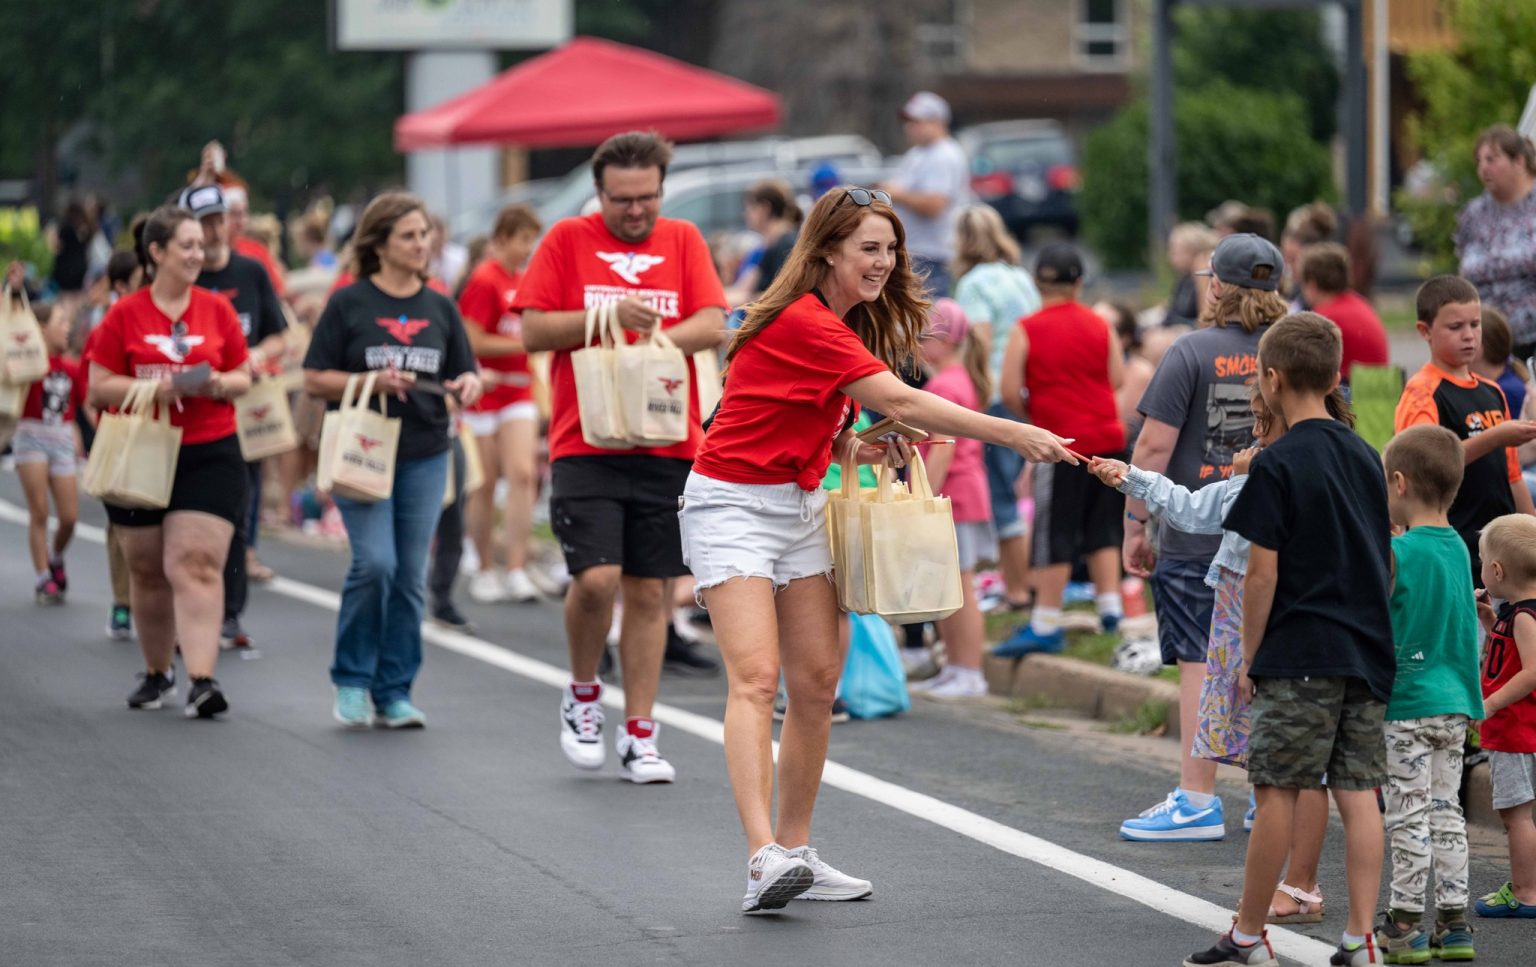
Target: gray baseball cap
{"x": 1237, "y": 257}
{"x": 203, "y": 200}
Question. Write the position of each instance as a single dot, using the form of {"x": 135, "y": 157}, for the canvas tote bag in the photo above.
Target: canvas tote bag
{"x": 364, "y": 445}
{"x": 844, "y": 530}
{"x": 706, "y": 376}
{"x": 111, "y": 431}
{"x": 13, "y": 399}
{"x": 597, "y": 390}
{"x": 909, "y": 557}
{"x": 653, "y": 390}
{"x": 264, "y": 421}
{"x": 23, "y": 354}
{"x": 143, "y": 470}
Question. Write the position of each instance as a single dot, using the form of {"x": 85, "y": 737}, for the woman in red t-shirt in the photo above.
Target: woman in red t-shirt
{"x": 844, "y": 310}
{"x": 506, "y": 421}
{"x": 176, "y": 555}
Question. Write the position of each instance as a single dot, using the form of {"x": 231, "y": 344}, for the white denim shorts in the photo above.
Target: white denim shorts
{"x": 50, "y": 443}
{"x": 773, "y": 531}
{"x": 488, "y": 422}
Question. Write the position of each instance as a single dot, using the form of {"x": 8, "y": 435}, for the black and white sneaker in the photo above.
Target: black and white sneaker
{"x": 204, "y": 700}
{"x": 153, "y": 687}
{"x": 448, "y": 616}
{"x": 774, "y": 878}
{"x": 685, "y": 658}
{"x": 641, "y": 761}
{"x": 581, "y": 731}
{"x": 232, "y": 637}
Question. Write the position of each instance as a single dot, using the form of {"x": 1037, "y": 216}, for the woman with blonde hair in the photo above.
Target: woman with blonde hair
{"x": 995, "y": 292}
{"x": 846, "y": 308}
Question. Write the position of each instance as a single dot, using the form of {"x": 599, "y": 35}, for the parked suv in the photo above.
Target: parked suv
{"x": 1026, "y": 170}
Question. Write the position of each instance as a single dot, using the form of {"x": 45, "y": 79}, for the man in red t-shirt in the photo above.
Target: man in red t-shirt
{"x": 615, "y": 511}
{"x": 1060, "y": 372}
{"x": 1325, "y": 287}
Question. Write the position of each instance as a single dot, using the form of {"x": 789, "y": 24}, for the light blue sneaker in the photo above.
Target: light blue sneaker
{"x": 401, "y": 714}
{"x": 1025, "y": 642}
{"x": 1175, "y": 819}
{"x": 1253, "y": 810}
{"x": 1079, "y": 592}
{"x": 352, "y": 708}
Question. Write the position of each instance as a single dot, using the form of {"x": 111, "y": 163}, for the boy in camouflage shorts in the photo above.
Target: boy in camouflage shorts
{"x": 1317, "y": 641}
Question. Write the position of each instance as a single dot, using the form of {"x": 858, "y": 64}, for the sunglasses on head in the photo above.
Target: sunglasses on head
{"x": 864, "y": 196}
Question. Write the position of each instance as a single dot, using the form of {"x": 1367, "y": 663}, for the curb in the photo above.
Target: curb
{"x": 1109, "y": 695}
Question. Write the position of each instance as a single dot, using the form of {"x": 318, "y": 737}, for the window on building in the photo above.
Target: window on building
{"x": 1102, "y": 37}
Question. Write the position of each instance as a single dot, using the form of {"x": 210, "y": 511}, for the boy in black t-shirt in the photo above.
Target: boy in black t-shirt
{"x": 1317, "y": 636}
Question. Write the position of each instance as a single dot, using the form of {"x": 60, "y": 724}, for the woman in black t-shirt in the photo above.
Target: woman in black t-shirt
{"x": 392, "y": 322}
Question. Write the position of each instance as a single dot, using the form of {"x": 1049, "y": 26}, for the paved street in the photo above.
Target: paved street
{"x": 274, "y": 838}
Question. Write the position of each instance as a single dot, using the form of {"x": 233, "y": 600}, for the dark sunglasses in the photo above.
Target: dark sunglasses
{"x": 179, "y": 338}
{"x": 864, "y": 196}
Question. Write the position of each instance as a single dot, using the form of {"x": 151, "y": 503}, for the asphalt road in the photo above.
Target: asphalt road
{"x": 274, "y": 838}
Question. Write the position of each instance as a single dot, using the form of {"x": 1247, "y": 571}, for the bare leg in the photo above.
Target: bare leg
{"x": 1195, "y": 774}
{"x": 150, "y": 595}
{"x": 1521, "y": 832}
{"x": 588, "y": 613}
{"x": 963, "y": 631}
{"x": 1267, "y": 846}
{"x": 517, "y": 441}
{"x": 746, "y": 627}
{"x": 34, "y": 483}
{"x": 66, "y": 501}
{"x": 1051, "y": 585}
{"x": 1104, "y": 570}
{"x": 813, "y": 662}
{"x": 1013, "y": 561}
{"x": 195, "y": 547}
{"x": 642, "y": 641}
{"x": 1308, "y": 830}
{"x": 1362, "y": 854}
{"x": 482, "y": 507}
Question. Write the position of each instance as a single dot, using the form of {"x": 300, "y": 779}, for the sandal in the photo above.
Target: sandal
{"x": 257, "y": 572}
{"x": 1309, "y": 907}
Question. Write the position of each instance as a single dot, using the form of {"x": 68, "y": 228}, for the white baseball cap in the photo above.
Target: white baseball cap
{"x": 926, "y": 106}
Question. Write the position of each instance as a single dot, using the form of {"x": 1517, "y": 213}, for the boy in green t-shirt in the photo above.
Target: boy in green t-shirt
{"x": 1436, "y": 692}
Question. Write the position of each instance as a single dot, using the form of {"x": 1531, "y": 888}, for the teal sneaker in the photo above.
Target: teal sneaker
{"x": 352, "y": 708}
{"x": 1453, "y": 941}
{"x": 401, "y": 714}
{"x": 1401, "y": 945}
{"x": 1503, "y": 903}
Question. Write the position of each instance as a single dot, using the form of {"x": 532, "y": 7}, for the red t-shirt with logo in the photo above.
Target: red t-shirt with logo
{"x": 54, "y": 398}
{"x": 1513, "y": 728}
{"x": 136, "y": 339}
{"x": 487, "y": 300}
{"x": 581, "y": 264}
{"x": 1067, "y": 375}
{"x": 783, "y": 406}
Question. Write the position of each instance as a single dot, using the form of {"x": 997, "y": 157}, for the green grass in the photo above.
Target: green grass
{"x": 1151, "y": 717}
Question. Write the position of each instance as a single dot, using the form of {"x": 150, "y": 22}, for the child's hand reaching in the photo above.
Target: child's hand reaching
{"x": 1242, "y": 460}
{"x": 1111, "y": 472}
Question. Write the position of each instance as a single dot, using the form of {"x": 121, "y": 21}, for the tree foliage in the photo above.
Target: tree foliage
{"x": 1259, "y": 154}
{"x": 1483, "y": 80}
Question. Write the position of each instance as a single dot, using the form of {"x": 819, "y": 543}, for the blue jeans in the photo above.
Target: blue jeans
{"x": 1003, "y": 468}
{"x": 378, "y": 633}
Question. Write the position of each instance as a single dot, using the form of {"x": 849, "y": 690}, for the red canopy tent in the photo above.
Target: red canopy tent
{"x": 585, "y": 91}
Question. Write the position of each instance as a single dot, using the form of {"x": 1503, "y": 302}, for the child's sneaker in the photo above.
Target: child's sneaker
{"x": 1026, "y": 642}
{"x": 49, "y": 592}
{"x": 1452, "y": 940}
{"x": 1229, "y": 953}
{"x": 56, "y": 571}
{"x": 1360, "y": 956}
{"x": 1176, "y": 819}
{"x": 1503, "y": 903}
{"x": 1253, "y": 811}
{"x": 120, "y": 623}
{"x": 1401, "y": 945}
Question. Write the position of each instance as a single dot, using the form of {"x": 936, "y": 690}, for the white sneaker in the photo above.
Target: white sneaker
{"x": 520, "y": 588}
{"x": 487, "y": 587}
{"x": 830, "y": 883}
{"x": 774, "y": 878}
{"x": 963, "y": 683}
{"x": 581, "y": 731}
{"x": 914, "y": 658}
{"x": 928, "y": 684}
{"x": 641, "y": 762}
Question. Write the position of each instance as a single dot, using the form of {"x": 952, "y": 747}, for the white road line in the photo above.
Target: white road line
{"x": 1105, "y": 876}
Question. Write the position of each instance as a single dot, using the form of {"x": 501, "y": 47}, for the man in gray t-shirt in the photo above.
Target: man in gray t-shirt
{"x": 929, "y": 188}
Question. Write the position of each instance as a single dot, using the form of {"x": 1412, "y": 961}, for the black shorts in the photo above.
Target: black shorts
{"x": 619, "y": 510}
{"x": 1075, "y": 514}
{"x": 210, "y": 479}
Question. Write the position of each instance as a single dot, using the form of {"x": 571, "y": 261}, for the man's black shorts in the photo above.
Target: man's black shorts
{"x": 1075, "y": 514}
{"x": 619, "y": 510}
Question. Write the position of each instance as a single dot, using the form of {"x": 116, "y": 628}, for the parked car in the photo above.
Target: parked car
{"x": 565, "y": 196}
{"x": 711, "y": 198}
{"x": 1027, "y": 170}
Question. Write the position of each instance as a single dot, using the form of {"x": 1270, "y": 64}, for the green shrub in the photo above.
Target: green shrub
{"x": 21, "y": 237}
{"x": 1232, "y": 142}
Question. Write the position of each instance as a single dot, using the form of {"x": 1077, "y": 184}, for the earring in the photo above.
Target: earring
{"x": 830, "y": 262}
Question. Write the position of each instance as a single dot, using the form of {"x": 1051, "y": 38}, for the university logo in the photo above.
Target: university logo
{"x": 402, "y": 328}
{"x": 174, "y": 349}
{"x": 630, "y": 265}
{"x": 670, "y": 385}
{"x": 367, "y": 442}
{"x": 260, "y": 412}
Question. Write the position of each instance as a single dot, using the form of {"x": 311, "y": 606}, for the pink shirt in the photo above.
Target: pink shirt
{"x": 966, "y": 482}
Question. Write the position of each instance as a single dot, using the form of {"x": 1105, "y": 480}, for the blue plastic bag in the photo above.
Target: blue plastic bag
{"x": 874, "y": 681}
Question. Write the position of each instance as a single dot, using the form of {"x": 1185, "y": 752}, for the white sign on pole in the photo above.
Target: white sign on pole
{"x": 1527, "y": 125}
{"x": 450, "y": 24}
